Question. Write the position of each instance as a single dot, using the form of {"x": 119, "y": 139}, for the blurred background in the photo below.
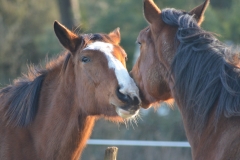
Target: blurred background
{"x": 27, "y": 37}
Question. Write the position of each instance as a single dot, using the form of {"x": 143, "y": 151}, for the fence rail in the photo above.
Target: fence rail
{"x": 138, "y": 143}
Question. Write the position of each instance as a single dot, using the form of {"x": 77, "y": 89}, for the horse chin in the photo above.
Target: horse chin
{"x": 147, "y": 100}
{"x": 124, "y": 110}
{"x": 126, "y": 114}
{"x": 145, "y": 105}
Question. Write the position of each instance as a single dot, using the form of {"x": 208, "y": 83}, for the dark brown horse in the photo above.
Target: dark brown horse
{"x": 50, "y": 113}
{"x": 180, "y": 60}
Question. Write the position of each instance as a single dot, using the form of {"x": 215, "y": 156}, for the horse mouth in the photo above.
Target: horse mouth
{"x": 126, "y": 110}
{"x": 125, "y": 113}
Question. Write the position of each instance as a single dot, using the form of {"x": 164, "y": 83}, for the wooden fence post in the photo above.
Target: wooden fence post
{"x": 111, "y": 153}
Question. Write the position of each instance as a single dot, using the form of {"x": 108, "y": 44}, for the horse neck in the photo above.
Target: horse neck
{"x": 63, "y": 127}
{"x": 194, "y": 137}
{"x": 214, "y": 137}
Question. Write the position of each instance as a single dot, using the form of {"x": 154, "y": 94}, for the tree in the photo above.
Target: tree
{"x": 70, "y": 14}
{"x": 21, "y": 24}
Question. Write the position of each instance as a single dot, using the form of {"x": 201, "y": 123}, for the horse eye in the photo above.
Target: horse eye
{"x": 85, "y": 59}
{"x": 139, "y": 43}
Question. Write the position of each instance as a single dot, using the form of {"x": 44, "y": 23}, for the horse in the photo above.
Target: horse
{"x": 49, "y": 113}
{"x": 181, "y": 61}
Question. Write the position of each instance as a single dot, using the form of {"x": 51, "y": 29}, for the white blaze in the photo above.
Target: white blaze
{"x": 126, "y": 83}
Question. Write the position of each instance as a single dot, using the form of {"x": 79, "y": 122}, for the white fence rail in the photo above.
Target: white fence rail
{"x": 138, "y": 143}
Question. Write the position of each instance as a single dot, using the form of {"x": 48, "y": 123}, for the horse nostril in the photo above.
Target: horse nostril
{"x": 127, "y": 99}
{"x": 123, "y": 97}
{"x": 135, "y": 101}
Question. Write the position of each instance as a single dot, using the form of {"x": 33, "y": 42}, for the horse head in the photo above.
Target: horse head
{"x": 100, "y": 78}
{"x": 152, "y": 71}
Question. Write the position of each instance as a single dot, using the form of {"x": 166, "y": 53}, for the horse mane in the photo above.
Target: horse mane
{"x": 20, "y": 100}
{"x": 204, "y": 69}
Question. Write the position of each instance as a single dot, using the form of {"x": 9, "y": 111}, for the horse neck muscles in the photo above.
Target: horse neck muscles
{"x": 61, "y": 129}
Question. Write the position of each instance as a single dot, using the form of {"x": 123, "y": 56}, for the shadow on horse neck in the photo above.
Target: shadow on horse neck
{"x": 198, "y": 71}
{"x": 50, "y": 113}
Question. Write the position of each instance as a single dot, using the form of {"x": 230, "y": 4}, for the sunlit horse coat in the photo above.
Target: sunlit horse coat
{"x": 180, "y": 60}
{"x": 49, "y": 114}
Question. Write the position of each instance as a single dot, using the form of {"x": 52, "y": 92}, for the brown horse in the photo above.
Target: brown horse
{"x": 182, "y": 61}
{"x": 50, "y": 113}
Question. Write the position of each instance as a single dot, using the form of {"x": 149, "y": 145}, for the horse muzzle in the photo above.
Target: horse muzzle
{"x": 126, "y": 114}
{"x": 130, "y": 104}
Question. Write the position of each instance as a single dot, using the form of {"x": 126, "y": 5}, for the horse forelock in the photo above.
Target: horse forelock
{"x": 203, "y": 71}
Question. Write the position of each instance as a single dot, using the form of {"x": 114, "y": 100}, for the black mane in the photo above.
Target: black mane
{"x": 20, "y": 100}
{"x": 203, "y": 72}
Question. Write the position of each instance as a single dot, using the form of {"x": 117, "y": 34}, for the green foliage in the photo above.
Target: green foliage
{"x": 27, "y": 35}
{"x": 221, "y": 4}
{"x": 233, "y": 19}
{"x": 22, "y": 24}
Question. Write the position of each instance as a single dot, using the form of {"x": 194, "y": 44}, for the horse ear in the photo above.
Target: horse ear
{"x": 199, "y": 11}
{"x": 66, "y": 37}
{"x": 151, "y": 11}
{"x": 115, "y": 35}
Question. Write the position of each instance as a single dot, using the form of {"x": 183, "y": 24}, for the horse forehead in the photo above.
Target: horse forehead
{"x": 114, "y": 61}
{"x": 99, "y": 45}
{"x": 108, "y": 49}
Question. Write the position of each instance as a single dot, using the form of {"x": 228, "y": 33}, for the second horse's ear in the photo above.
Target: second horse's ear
{"x": 199, "y": 11}
{"x": 151, "y": 11}
{"x": 66, "y": 37}
{"x": 115, "y": 35}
